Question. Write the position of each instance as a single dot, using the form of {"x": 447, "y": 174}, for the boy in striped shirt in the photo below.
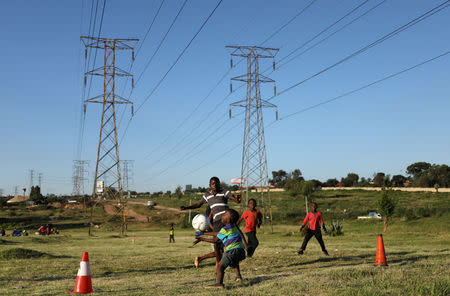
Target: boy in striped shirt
{"x": 235, "y": 245}
{"x": 217, "y": 200}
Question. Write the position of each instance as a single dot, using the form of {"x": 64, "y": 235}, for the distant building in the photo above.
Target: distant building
{"x": 188, "y": 187}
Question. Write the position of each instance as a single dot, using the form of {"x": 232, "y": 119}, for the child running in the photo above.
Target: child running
{"x": 234, "y": 242}
{"x": 253, "y": 218}
{"x": 313, "y": 218}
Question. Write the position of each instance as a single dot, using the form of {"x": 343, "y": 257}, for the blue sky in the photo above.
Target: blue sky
{"x": 382, "y": 128}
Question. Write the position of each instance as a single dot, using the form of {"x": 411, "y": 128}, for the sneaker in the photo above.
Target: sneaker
{"x": 326, "y": 253}
{"x": 215, "y": 286}
{"x": 300, "y": 252}
{"x": 196, "y": 262}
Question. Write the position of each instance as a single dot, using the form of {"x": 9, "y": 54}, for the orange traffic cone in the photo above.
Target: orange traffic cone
{"x": 380, "y": 259}
{"x": 83, "y": 284}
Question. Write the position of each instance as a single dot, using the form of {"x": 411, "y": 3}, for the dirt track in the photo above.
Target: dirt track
{"x": 131, "y": 214}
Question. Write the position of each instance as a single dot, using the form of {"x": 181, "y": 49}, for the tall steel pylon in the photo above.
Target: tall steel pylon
{"x": 127, "y": 175}
{"x": 107, "y": 178}
{"x": 79, "y": 177}
{"x": 254, "y": 171}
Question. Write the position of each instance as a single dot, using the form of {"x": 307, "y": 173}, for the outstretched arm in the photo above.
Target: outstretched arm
{"x": 209, "y": 240}
{"x": 236, "y": 198}
{"x": 239, "y": 221}
{"x": 194, "y": 206}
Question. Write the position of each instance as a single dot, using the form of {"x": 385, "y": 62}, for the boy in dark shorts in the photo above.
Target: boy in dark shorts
{"x": 314, "y": 219}
{"x": 234, "y": 241}
{"x": 253, "y": 219}
{"x": 217, "y": 199}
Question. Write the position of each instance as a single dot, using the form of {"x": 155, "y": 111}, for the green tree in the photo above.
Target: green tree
{"x": 418, "y": 168}
{"x": 307, "y": 188}
{"x": 178, "y": 192}
{"x": 350, "y": 180}
{"x": 398, "y": 180}
{"x": 278, "y": 178}
{"x": 168, "y": 193}
{"x": 378, "y": 179}
{"x": 297, "y": 175}
{"x": 386, "y": 206}
{"x": 35, "y": 195}
{"x": 364, "y": 182}
{"x": 331, "y": 182}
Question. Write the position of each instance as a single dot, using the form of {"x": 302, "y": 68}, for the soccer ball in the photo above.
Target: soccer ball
{"x": 200, "y": 222}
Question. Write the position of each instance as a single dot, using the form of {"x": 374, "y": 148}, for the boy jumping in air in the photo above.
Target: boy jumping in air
{"x": 235, "y": 245}
{"x": 314, "y": 219}
{"x": 253, "y": 219}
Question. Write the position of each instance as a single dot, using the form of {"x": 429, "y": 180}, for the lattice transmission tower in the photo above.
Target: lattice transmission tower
{"x": 107, "y": 178}
{"x": 127, "y": 175}
{"x": 254, "y": 172}
{"x": 79, "y": 177}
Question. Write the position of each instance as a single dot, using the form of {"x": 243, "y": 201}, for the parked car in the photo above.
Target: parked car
{"x": 372, "y": 215}
{"x": 151, "y": 203}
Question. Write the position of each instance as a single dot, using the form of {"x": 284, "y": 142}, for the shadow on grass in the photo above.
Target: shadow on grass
{"x": 153, "y": 270}
{"x": 7, "y": 242}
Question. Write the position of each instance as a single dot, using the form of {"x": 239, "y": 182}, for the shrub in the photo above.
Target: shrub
{"x": 335, "y": 229}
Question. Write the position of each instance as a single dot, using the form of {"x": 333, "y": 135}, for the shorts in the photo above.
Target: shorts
{"x": 232, "y": 258}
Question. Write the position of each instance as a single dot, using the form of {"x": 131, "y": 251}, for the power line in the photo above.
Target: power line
{"x": 161, "y": 42}
{"x": 365, "y": 86}
{"x": 330, "y": 35}
{"x": 326, "y": 102}
{"x": 149, "y": 28}
{"x": 212, "y": 90}
{"x": 365, "y": 48}
{"x": 323, "y": 31}
{"x": 173, "y": 65}
{"x": 288, "y": 22}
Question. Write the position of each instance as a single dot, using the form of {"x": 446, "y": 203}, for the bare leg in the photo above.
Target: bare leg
{"x": 220, "y": 273}
{"x": 238, "y": 273}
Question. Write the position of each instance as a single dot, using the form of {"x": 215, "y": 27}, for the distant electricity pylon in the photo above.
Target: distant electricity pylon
{"x": 254, "y": 172}
{"x": 127, "y": 175}
{"x": 107, "y": 178}
{"x": 40, "y": 180}
{"x": 79, "y": 177}
{"x": 31, "y": 180}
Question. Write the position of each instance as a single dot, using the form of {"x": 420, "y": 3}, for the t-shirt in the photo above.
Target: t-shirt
{"x": 251, "y": 220}
{"x": 171, "y": 232}
{"x": 313, "y": 220}
{"x": 217, "y": 202}
{"x": 231, "y": 237}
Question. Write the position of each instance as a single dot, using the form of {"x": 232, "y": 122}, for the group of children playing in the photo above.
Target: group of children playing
{"x": 230, "y": 244}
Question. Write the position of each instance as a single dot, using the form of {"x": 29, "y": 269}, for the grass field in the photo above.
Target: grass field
{"x": 417, "y": 249}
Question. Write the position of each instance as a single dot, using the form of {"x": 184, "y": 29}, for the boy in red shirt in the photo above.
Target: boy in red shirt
{"x": 253, "y": 218}
{"x": 314, "y": 219}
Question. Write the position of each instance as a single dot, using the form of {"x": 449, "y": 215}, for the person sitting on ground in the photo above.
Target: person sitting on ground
{"x": 235, "y": 244}
{"x": 314, "y": 219}
{"x": 24, "y": 233}
{"x": 253, "y": 219}
{"x": 16, "y": 232}
{"x": 42, "y": 230}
